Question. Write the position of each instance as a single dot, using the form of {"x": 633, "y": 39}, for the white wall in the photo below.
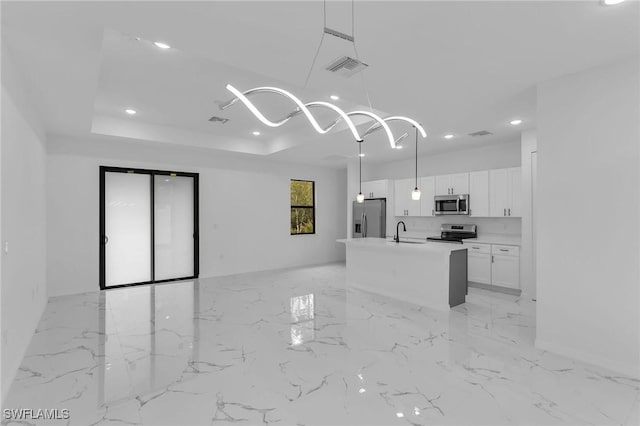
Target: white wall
{"x": 589, "y": 216}
{"x": 23, "y": 216}
{"x": 468, "y": 160}
{"x": 483, "y": 158}
{"x": 527, "y": 267}
{"x": 244, "y": 209}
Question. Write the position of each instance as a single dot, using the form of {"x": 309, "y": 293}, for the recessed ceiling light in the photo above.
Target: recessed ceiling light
{"x": 161, "y": 45}
{"x": 361, "y": 155}
{"x": 516, "y": 122}
{"x": 334, "y": 97}
{"x": 611, "y": 2}
{"x": 449, "y": 136}
{"x": 256, "y": 133}
{"x": 130, "y": 111}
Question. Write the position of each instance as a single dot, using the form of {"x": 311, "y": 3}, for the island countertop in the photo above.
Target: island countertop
{"x": 387, "y": 244}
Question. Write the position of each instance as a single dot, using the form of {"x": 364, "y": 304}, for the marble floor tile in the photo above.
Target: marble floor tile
{"x": 299, "y": 347}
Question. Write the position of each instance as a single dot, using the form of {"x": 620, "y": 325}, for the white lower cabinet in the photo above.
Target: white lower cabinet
{"x": 493, "y": 264}
{"x": 505, "y": 266}
{"x": 479, "y": 267}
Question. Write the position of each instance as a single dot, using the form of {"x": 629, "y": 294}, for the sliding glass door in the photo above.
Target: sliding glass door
{"x": 148, "y": 226}
{"x": 127, "y": 228}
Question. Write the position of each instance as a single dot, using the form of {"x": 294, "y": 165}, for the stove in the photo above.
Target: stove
{"x": 450, "y": 233}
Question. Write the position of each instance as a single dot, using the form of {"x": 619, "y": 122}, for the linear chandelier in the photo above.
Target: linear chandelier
{"x": 303, "y": 108}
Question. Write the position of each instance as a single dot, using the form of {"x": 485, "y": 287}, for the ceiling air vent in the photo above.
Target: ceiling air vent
{"x": 215, "y": 119}
{"x": 481, "y": 133}
{"x": 346, "y": 66}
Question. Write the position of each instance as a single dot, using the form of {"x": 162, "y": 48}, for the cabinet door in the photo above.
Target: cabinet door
{"x": 443, "y": 185}
{"x": 405, "y": 206}
{"x": 400, "y": 199}
{"x": 515, "y": 192}
{"x": 505, "y": 271}
{"x": 373, "y": 189}
{"x": 479, "y": 267}
{"x": 428, "y": 189}
{"x": 479, "y": 193}
{"x": 460, "y": 183}
{"x": 498, "y": 192}
{"x": 367, "y": 188}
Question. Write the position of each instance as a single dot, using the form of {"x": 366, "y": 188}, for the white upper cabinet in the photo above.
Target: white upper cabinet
{"x": 452, "y": 184}
{"x": 404, "y": 205}
{"x": 515, "y": 192}
{"x": 479, "y": 193}
{"x": 505, "y": 192}
{"x": 375, "y": 188}
{"x": 428, "y": 191}
{"x": 460, "y": 183}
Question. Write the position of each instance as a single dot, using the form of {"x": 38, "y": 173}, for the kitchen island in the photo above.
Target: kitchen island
{"x": 427, "y": 274}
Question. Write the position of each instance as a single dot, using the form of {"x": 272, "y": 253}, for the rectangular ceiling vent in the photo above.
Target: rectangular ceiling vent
{"x": 346, "y": 66}
{"x": 215, "y": 119}
{"x": 481, "y": 133}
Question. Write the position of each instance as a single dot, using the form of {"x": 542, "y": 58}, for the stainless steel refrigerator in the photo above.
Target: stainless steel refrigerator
{"x": 370, "y": 218}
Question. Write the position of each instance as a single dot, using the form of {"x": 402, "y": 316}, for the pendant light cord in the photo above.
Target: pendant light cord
{"x": 416, "y": 157}
{"x": 355, "y": 49}
{"x": 360, "y": 161}
{"x": 324, "y": 25}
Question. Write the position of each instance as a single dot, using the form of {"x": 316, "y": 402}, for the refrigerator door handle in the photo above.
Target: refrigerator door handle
{"x": 362, "y": 233}
{"x": 365, "y": 226}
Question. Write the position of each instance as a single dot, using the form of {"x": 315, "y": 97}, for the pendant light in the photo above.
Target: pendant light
{"x": 302, "y": 108}
{"x": 415, "y": 194}
{"x": 360, "y": 196}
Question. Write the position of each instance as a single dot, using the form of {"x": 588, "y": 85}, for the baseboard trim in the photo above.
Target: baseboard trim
{"x": 569, "y": 352}
{"x": 496, "y": 288}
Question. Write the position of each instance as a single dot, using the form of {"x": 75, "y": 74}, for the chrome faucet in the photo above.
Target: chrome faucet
{"x": 404, "y": 228}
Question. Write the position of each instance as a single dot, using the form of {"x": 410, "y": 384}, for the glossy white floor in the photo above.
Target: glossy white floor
{"x": 297, "y": 347}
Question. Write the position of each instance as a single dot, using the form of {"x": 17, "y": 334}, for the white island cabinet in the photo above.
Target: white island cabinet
{"x": 433, "y": 275}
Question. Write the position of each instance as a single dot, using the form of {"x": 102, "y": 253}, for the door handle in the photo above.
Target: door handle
{"x": 505, "y": 212}
{"x": 492, "y": 259}
{"x": 504, "y": 250}
{"x": 432, "y": 213}
{"x": 105, "y": 239}
{"x": 365, "y": 226}
{"x": 509, "y": 212}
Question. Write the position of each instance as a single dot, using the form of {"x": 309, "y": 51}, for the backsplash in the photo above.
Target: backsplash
{"x": 428, "y": 226}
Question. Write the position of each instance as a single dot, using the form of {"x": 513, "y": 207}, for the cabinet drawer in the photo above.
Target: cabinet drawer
{"x": 478, "y": 248}
{"x": 505, "y": 250}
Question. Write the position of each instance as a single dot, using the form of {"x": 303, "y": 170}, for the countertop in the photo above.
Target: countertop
{"x": 511, "y": 240}
{"x": 432, "y": 247}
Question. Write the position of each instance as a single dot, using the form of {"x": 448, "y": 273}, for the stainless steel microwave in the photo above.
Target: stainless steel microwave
{"x": 451, "y": 204}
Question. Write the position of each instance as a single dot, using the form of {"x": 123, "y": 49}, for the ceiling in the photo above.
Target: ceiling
{"x": 455, "y": 67}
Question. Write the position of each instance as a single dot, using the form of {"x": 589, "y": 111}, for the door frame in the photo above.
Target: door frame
{"x": 101, "y": 231}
